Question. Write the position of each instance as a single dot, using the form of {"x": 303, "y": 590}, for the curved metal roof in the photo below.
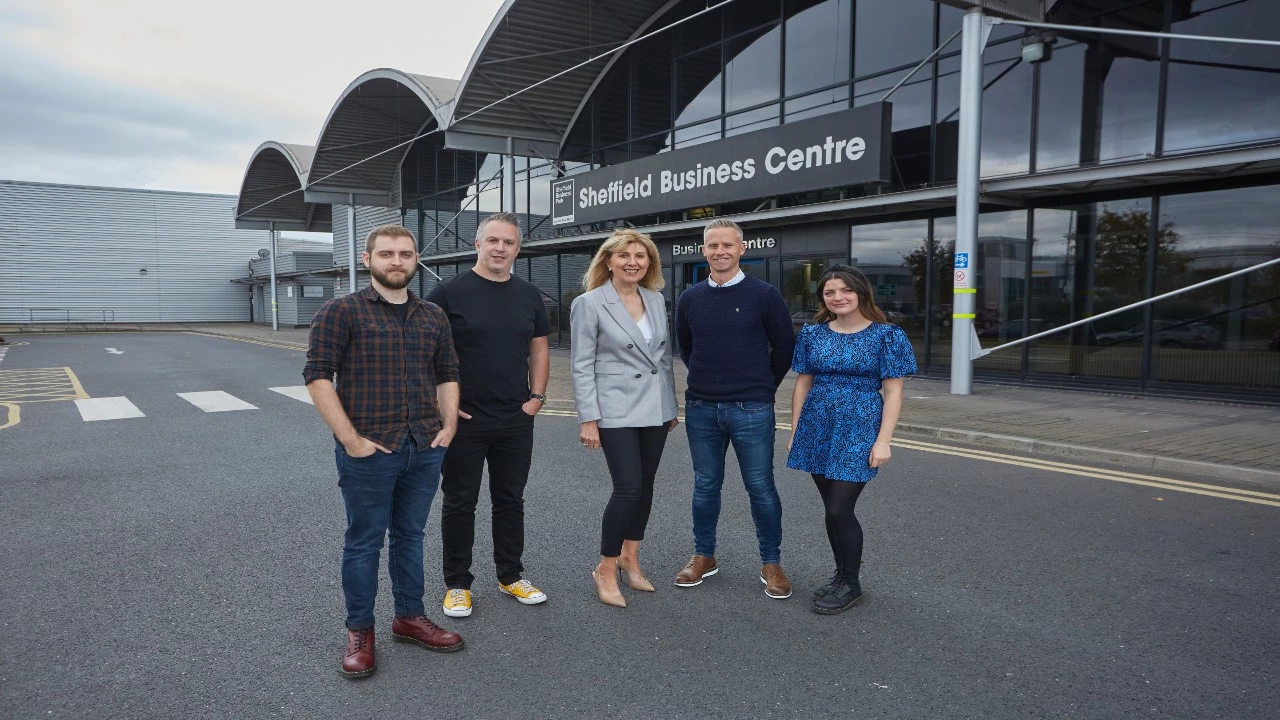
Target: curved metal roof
{"x": 527, "y": 42}
{"x": 274, "y": 170}
{"x": 378, "y": 111}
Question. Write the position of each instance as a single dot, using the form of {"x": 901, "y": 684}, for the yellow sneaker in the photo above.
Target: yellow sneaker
{"x": 524, "y": 591}
{"x": 457, "y": 603}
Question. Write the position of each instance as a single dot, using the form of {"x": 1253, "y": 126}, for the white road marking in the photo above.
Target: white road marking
{"x": 107, "y": 408}
{"x": 114, "y": 351}
{"x": 216, "y": 401}
{"x": 297, "y": 392}
{"x": 3, "y": 351}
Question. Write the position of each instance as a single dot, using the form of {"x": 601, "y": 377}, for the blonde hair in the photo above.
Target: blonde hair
{"x": 598, "y": 272}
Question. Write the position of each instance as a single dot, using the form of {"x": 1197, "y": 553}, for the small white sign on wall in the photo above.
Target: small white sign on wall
{"x": 312, "y": 291}
{"x": 288, "y": 291}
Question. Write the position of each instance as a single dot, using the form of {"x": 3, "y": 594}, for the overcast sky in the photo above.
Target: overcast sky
{"x": 175, "y": 94}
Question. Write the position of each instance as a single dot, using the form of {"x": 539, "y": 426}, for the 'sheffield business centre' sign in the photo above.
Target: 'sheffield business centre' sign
{"x": 850, "y": 147}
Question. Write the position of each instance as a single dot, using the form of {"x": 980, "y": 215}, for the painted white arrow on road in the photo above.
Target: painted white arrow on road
{"x": 114, "y": 351}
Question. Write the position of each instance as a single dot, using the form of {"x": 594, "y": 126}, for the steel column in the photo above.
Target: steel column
{"x": 351, "y": 239}
{"x": 271, "y": 248}
{"x": 968, "y": 180}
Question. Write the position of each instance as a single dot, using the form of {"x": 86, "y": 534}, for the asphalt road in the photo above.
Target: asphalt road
{"x": 185, "y": 565}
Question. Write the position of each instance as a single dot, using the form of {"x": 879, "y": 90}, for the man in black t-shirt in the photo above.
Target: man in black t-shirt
{"x": 500, "y": 333}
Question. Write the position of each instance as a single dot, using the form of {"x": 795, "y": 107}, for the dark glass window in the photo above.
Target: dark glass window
{"x": 651, "y": 86}
{"x": 894, "y": 257}
{"x": 1227, "y": 333}
{"x": 697, "y": 81}
{"x": 911, "y": 105}
{"x": 753, "y": 70}
{"x": 817, "y": 45}
{"x": 610, "y": 105}
{"x": 1002, "y": 285}
{"x": 1222, "y": 94}
{"x": 890, "y": 34}
{"x": 764, "y": 117}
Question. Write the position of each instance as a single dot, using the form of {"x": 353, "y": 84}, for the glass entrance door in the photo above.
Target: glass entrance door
{"x": 800, "y": 287}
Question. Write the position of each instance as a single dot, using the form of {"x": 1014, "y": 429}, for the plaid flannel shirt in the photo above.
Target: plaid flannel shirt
{"x": 387, "y": 376}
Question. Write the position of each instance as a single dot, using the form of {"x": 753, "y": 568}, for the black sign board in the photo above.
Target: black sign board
{"x": 850, "y": 147}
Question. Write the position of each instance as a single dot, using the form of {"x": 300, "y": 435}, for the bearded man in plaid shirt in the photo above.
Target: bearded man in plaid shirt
{"x": 393, "y": 413}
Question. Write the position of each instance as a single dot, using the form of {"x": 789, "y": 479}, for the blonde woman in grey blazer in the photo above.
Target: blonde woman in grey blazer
{"x": 625, "y": 391}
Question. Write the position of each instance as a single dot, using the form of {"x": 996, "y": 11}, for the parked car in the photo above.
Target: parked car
{"x": 1169, "y": 333}
{"x": 1013, "y": 329}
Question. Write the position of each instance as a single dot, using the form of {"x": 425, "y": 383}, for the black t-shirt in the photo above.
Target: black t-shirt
{"x": 402, "y": 312}
{"x": 493, "y": 324}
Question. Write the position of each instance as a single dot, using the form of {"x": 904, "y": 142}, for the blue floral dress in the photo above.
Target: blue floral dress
{"x": 841, "y": 416}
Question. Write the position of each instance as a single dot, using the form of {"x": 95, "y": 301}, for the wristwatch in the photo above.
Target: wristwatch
{"x": 540, "y": 398}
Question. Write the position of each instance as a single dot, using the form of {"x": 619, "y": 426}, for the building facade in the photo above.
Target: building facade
{"x": 80, "y": 254}
{"x": 1115, "y": 168}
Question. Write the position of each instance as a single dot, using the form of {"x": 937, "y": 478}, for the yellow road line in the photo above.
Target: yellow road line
{"x": 13, "y": 417}
{"x": 1163, "y": 483}
{"x": 40, "y": 385}
{"x": 251, "y": 341}
{"x": 75, "y": 384}
{"x": 1226, "y": 493}
{"x": 919, "y": 445}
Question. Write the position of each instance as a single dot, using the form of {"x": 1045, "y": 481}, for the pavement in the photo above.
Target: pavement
{"x": 1192, "y": 438}
{"x": 184, "y": 563}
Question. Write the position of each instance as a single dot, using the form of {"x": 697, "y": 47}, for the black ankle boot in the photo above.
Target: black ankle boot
{"x": 828, "y": 586}
{"x": 843, "y": 595}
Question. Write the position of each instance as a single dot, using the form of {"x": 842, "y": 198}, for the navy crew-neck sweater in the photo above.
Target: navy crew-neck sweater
{"x": 736, "y": 341}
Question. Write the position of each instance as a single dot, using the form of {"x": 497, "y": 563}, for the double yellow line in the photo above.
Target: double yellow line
{"x": 1218, "y": 491}
{"x": 1162, "y": 483}
{"x": 251, "y": 341}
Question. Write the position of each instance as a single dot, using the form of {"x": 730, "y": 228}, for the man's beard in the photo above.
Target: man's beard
{"x": 385, "y": 281}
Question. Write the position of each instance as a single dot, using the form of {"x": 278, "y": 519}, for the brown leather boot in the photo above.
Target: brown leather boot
{"x": 776, "y": 584}
{"x": 359, "y": 660}
{"x": 426, "y": 633}
{"x": 699, "y": 567}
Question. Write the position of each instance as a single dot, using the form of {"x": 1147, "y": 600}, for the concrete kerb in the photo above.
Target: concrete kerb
{"x": 1137, "y": 462}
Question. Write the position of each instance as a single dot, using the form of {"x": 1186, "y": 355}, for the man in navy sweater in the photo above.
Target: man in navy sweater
{"x": 736, "y": 339}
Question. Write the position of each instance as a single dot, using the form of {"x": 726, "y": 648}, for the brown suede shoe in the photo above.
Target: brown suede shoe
{"x": 426, "y": 633}
{"x": 776, "y": 584}
{"x": 358, "y": 660}
{"x": 699, "y": 567}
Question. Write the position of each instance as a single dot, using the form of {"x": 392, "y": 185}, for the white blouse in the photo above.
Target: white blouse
{"x": 645, "y": 323}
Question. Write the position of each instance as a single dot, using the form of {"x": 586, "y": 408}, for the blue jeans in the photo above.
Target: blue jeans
{"x": 386, "y": 491}
{"x": 749, "y": 426}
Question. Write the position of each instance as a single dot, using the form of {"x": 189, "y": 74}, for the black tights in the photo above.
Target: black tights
{"x": 843, "y": 530}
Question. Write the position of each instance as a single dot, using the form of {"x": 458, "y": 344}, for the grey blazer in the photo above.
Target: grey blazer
{"x": 618, "y": 378}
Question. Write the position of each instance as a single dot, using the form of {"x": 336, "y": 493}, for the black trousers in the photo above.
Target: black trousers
{"x": 507, "y": 446}
{"x": 633, "y": 455}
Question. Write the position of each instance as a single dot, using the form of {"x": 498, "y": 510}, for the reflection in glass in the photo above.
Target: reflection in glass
{"x": 800, "y": 287}
{"x": 1088, "y": 260}
{"x": 1222, "y": 94}
{"x": 1000, "y": 273}
{"x": 757, "y": 119}
{"x": 877, "y": 49}
{"x": 753, "y": 69}
{"x": 1229, "y": 332}
{"x": 818, "y": 47}
{"x": 697, "y": 82}
{"x": 892, "y": 256}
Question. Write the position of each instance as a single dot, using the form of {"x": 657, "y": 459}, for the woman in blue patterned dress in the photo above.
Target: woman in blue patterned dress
{"x": 841, "y": 424}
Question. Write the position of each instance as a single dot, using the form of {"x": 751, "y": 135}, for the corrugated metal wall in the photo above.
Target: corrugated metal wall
{"x": 78, "y": 252}
{"x": 367, "y": 218}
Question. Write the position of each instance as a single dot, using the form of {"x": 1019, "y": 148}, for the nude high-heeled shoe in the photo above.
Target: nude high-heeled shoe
{"x": 615, "y": 598}
{"x": 635, "y": 579}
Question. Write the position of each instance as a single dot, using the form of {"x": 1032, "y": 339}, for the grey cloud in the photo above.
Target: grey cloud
{"x": 55, "y": 116}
